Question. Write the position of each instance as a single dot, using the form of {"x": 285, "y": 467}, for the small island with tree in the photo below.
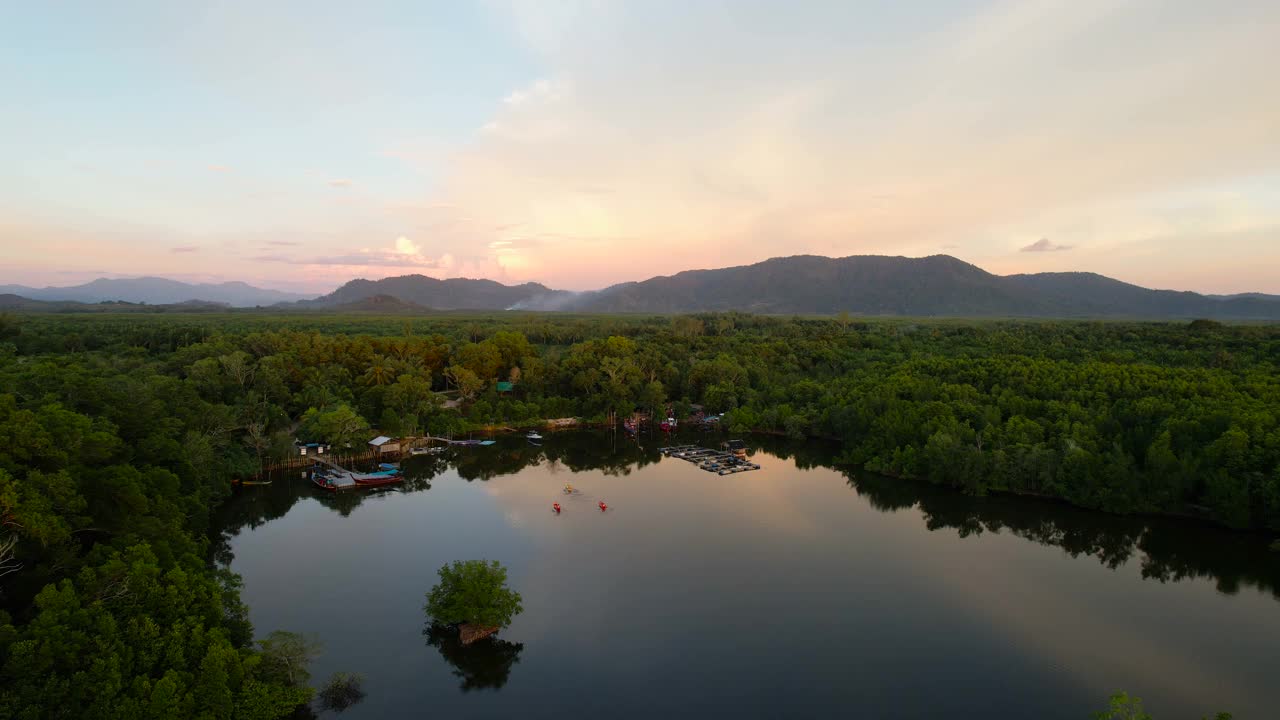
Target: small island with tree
{"x": 473, "y": 597}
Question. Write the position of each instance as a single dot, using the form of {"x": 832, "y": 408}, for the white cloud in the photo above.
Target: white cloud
{"x": 541, "y": 89}
{"x": 1044, "y": 245}
{"x": 830, "y": 131}
{"x": 404, "y": 246}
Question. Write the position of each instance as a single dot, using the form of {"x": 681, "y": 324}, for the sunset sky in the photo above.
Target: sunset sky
{"x": 299, "y": 145}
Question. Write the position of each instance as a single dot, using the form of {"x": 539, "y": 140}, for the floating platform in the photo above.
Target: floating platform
{"x": 721, "y": 462}
{"x": 328, "y": 475}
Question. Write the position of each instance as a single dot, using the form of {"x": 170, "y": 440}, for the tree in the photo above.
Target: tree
{"x": 9, "y": 562}
{"x": 468, "y": 383}
{"x": 483, "y": 359}
{"x": 239, "y": 367}
{"x": 285, "y": 656}
{"x": 473, "y": 592}
{"x": 412, "y": 397}
{"x": 339, "y": 426}
{"x": 257, "y": 437}
{"x": 380, "y": 371}
{"x": 390, "y": 423}
{"x": 1123, "y": 707}
{"x": 512, "y": 346}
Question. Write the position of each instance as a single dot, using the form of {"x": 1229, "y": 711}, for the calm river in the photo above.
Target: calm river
{"x": 802, "y": 589}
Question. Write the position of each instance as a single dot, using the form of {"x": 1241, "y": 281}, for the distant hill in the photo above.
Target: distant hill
{"x": 939, "y": 285}
{"x": 1082, "y": 293}
{"x": 156, "y": 291}
{"x": 9, "y": 301}
{"x": 871, "y": 285}
{"x": 451, "y": 294}
{"x": 1254, "y": 295}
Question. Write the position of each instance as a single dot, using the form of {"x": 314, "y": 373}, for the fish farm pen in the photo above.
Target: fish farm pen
{"x": 722, "y": 462}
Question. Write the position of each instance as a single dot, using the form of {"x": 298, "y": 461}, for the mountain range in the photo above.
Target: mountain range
{"x": 428, "y": 292}
{"x": 155, "y": 291}
{"x": 939, "y": 285}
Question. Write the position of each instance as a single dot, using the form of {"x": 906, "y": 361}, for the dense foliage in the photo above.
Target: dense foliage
{"x": 474, "y": 592}
{"x": 120, "y": 433}
{"x": 1124, "y": 417}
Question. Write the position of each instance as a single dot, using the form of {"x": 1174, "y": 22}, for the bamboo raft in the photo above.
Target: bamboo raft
{"x": 721, "y": 462}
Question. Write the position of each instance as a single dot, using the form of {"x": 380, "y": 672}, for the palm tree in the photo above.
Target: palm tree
{"x": 380, "y": 371}
{"x": 400, "y": 350}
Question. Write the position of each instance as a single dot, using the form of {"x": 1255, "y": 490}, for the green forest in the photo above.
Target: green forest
{"x": 120, "y": 434}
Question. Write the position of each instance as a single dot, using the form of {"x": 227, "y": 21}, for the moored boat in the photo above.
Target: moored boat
{"x": 333, "y": 481}
{"x": 376, "y": 479}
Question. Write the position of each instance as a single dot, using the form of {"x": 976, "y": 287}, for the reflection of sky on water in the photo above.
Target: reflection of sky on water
{"x": 758, "y": 594}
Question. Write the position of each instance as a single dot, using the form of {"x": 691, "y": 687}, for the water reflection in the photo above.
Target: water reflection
{"x": 1169, "y": 549}
{"x": 483, "y": 665}
{"x": 691, "y": 582}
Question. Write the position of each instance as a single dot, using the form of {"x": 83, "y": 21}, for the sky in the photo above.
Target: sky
{"x": 580, "y": 143}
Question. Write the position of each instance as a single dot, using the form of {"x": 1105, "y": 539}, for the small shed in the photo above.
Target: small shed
{"x": 307, "y": 449}
{"x": 384, "y": 444}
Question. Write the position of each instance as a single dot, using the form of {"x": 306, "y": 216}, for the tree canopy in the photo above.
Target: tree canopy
{"x": 474, "y": 592}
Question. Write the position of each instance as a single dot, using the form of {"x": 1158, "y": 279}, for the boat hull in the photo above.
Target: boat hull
{"x": 380, "y": 481}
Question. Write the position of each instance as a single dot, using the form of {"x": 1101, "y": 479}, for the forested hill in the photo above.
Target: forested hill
{"x": 451, "y": 294}
{"x": 870, "y": 285}
{"x": 1081, "y": 293}
{"x": 937, "y": 286}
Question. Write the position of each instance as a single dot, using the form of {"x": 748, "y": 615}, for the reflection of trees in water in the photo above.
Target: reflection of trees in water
{"x": 1169, "y": 549}
{"x": 252, "y": 506}
{"x": 420, "y": 470}
{"x": 1230, "y": 559}
{"x": 806, "y": 454}
{"x": 615, "y": 456}
{"x": 482, "y": 665}
{"x": 577, "y": 451}
{"x": 256, "y": 505}
{"x": 487, "y": 462}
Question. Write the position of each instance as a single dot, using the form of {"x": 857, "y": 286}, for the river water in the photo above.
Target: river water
{"x": 799, "y": 590}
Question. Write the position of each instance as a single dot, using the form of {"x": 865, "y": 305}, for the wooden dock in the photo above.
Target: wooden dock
{"x": 721, "y": 462}
{"x": 330, "y": 463}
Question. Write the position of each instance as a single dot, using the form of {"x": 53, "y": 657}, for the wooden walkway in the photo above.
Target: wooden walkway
{"x": 330, "y": 463}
